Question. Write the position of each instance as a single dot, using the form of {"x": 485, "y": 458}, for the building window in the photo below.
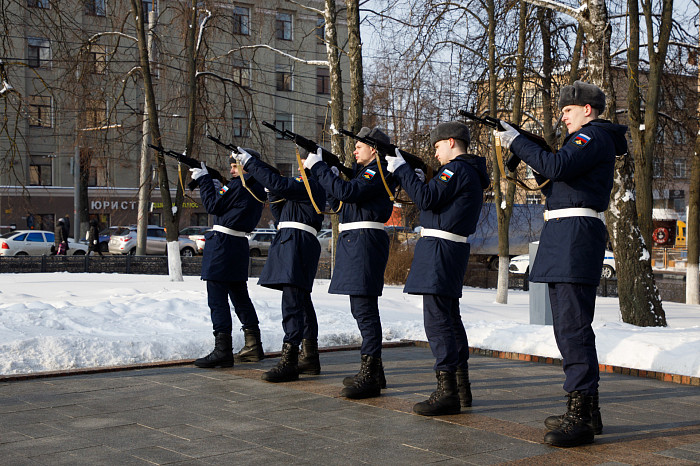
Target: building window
{"x": 95, "y": 7}
{"x": 658, "y": 168}
{"x": 98, "y": 175}
{"x": 40, "y": 111}
{"x": 97, "y": 59}
{"x": 529, "y": 172}
{"x": 148, "y": 5}
{"x": 283, "y": 26}
{"x": 283, "y": 121}
{"x": 241, "y": 72}
{"x": 679, "y": 168}
{"x": 283, "y": 77}
{"x": 241, "y": 20}
{"x": 679, "y": 136}
{"x": 40, "y": 172}
{"x": 38, "y": 52}
{"x": 321, "y": 30}
{"x": 241, "y": 124}
{"x": 323, "y": 81}
{"x": 199, "y": 219}
{"x": 533, "y": 198}
{"x": 95, "y": 113}
{"x": 38, "y": 4}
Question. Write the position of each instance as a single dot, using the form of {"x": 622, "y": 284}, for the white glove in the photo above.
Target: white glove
{"x": 312, "y": 159}
{"x": 241, "y": 156}
{"x": 199, "y": 172}
{"x": 392, "y": 163}
{"x": 420, "y": 174}
{"x": 94, "y": 241}
{"x": 508, "y": 136}
{"x": 335, "y": 171}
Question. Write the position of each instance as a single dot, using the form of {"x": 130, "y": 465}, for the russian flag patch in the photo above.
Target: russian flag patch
{"x": 223, "y": 190}
{"x": 369, "y": 174}
{"x": 446, "y": 175}
{"x": 581, "y": 139}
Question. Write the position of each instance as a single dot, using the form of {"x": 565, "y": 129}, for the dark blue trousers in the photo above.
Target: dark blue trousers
{"x": 573, "y": 306}
{"x": 298, "y": 315}
{"x": 365, "y": 310}
{"x": 218, "y": 294}
{"x": 445, "y": 332}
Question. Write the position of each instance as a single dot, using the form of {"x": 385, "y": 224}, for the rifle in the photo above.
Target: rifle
{"x": 495, "y": 123}
{"x": 310, "y": 146}
{"x": 192, "y": 163}
{"x": 385, "y": 149}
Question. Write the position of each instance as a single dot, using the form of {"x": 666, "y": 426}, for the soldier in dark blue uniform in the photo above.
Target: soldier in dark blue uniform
{"x": 225, "y": 263}
{"x": 362, "y": 254}
{"x": 292, "y": 263}
{"x": 572, "y": 244}
{"x": 450, "y": 205}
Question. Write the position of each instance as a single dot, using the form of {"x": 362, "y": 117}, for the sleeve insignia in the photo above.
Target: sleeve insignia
{"x": 223, "y": 190}
{"x": 446, "y": 175}
{"x": 299, "y": 179}
{"x": 581, "y": 140}
{"x": 368, "y": 174}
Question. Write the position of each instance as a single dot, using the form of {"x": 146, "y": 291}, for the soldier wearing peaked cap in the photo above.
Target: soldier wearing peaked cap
{"x": 450, "y": 205}
{"x": 572, "y": 244}
{"x": 291, "y": 265}
{"x": 362, "y": 254}
{"x": 225, "y": 263}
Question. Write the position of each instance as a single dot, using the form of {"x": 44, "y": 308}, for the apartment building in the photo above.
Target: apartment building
{"x": 72, "y": 95}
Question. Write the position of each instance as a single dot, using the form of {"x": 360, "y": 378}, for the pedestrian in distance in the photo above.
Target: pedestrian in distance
{"x": 291, "y": 264}
{"x": 61, "y": 237}
{"x": 449, "y": 205}
{"x": 93, "y": 237}
{"x": 362, "y": 253}
{"x": 225, "y": 261}
{"x": 572, "y": 245}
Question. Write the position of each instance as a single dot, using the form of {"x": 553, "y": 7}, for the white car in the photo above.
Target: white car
{"x": 324, "y": 238}
{"x": 35, "y": 243}
{"x": 124, "y": 242}
{"x": 521, "y": 265}
{"x": 196, "y": 234}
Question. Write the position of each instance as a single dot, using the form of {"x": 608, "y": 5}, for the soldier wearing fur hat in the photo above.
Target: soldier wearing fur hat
{"x": 291, "y": 264}
{"x": 225, "y": 263}
{"x": 450, "y": 205}
{"x": 362, "y": 254}
{"x": 572, "y": 244}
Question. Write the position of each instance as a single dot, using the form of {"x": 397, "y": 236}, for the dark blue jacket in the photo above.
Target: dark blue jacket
{"x": 361, "y": 255}
{"x": 581, "y": 175}
{"x": 294, "y": 253}
{"x": 452, "y": 202}
{"x": 225, "y": 256}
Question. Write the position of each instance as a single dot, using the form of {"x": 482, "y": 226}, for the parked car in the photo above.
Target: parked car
{"x": 124, "y": 242}
{"x": 324, "y": 238}
{"x": 196, "y": 234}
{"x": 105, "y": 235}
{"x": 35, "y": 243}
{"x": 521, "y": 264}
{"x": 259, "y": 241}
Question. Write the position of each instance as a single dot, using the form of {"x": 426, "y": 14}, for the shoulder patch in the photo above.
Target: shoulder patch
{"x": 368, "y": 174}
{"x": 223, "y": 190}
{"x": 581, "y": 140}
{"x": 299, "y": 179}
{"x": 446, "y": 175}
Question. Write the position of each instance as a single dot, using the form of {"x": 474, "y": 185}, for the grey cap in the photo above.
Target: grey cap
{"x": 582, "y": 93}
{"x": 450, "y": 129}
{"x": 252, "y": 152}
{"x": 374, "y": 133}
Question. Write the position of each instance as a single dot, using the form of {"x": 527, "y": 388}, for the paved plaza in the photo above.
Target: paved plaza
{"x": 184, "y": 415}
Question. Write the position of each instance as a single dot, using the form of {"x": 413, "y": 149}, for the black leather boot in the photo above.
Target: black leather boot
{"x": 252, "y": 351}
{"x": 222, "y": 356}
{"x": 309, "y": 362}
{"x": 287, "y": 369}
{"x": 381, "y": 380}
{"x": 575, "y": 428}
{"x": 464, "y": 387}
{"x": 553, "y": 422}
{"x": 366, "y": 382}
{"x": 444, "y": 400}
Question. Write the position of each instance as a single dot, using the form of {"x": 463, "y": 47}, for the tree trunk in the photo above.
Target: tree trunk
{"x": 692, "y": 279}
{"x": 357, "y": 93}
{"x": 336, "y": 83}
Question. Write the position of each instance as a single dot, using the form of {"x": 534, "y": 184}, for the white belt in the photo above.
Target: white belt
{"x": 443, "y": 234}
{"x": 298, "y": 226}
{"x": 228, "y": 231}
{"x": 359, "y": 225}
{"x": 570, "y": 212}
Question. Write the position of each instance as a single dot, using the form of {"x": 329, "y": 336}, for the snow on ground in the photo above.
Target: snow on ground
{"x": 61, "y": 321}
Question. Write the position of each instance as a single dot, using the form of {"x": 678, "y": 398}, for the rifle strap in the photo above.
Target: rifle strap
{"x": 512, "y": 179}
{"x": 240, "y": 175}
{"x": 305, "y": 179}
{"x": 381, "y": 175}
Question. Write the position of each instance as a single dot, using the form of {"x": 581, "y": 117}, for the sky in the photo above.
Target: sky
{"x": 58, "y": 321}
